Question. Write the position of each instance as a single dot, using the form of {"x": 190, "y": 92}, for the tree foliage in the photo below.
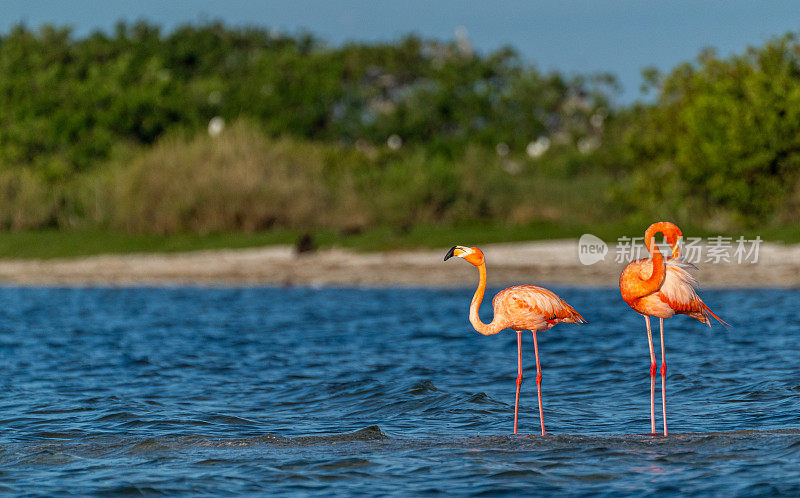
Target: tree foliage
{"x": 719, "y": 145}
{"x": 723, "y": 137}
{"x": 67, "y": 104}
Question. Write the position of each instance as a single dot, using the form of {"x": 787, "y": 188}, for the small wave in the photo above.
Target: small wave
{"x": 424, "y": 387}
{"x": 117, "y": 416}
{"x": 516, "y": 474}
{"x": 371, "y": 433}
{"x": 344, "y": 463}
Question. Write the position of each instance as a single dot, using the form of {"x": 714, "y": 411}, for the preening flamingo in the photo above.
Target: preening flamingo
{"x": 521, "y": 307}
{"x": 662, "y": 288}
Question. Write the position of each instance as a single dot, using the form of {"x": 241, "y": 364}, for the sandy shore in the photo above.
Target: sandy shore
{"x": 548, "y": 262}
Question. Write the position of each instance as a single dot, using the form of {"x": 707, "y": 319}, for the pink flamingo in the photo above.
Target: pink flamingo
{"x": 521, "y": 307}
{"x": 655, "y": 287}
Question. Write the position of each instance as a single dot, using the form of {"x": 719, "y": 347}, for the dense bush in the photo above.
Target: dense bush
{"x": 721, "y": 145}
{"x": 244, "y": 180}
{"x": 109, "y": 130}
{"x": 68, "y": 105}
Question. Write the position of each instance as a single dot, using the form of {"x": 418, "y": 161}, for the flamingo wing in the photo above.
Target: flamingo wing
{"x": 680, "y": 286}
{"x": 530, "y": 307}
{"x": 679, "y": 292}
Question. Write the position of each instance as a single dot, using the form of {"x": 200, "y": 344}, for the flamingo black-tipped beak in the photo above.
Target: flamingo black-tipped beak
{"x": 450, "y": 253}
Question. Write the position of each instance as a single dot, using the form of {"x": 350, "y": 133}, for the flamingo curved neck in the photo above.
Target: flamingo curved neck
{"x": 656, "y": 279}
{"x": 474, "y": 317}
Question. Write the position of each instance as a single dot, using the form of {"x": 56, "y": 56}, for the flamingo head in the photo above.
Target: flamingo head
{"x": 472, "y": 255}
{"x": 671, "y": 233}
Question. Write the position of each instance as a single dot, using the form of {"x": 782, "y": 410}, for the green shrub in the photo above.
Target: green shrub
{"x": 239, "y": 181}
{"x": 722, "y": 143}
{"x": 68, "y": 104}
{"x": 244, "y": 180}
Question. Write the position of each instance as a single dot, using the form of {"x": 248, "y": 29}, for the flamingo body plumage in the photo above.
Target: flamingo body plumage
{"x": 530, "y": 307}
{"x": 676, "y": 296}
{"x": 520, "y": 308}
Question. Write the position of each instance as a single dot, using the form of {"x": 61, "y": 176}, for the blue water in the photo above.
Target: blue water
{"x": 347, "y": 391}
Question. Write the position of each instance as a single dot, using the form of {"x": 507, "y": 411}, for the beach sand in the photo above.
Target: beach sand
{"x": 553, "y": 262}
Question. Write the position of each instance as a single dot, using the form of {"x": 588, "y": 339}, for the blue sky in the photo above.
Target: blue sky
{"x": 574, "y": 36}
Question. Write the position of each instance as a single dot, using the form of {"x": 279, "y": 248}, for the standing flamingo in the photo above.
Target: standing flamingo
{"x": 655, "y": 287}
{"x": 521, "y": 307}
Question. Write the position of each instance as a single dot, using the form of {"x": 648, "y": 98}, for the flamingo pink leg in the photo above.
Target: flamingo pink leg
{"x": 652, "y": 376}
{"x": 519, "y": 377}
{"x": 663, "y": 377}
{"x": 538, "y": 380}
